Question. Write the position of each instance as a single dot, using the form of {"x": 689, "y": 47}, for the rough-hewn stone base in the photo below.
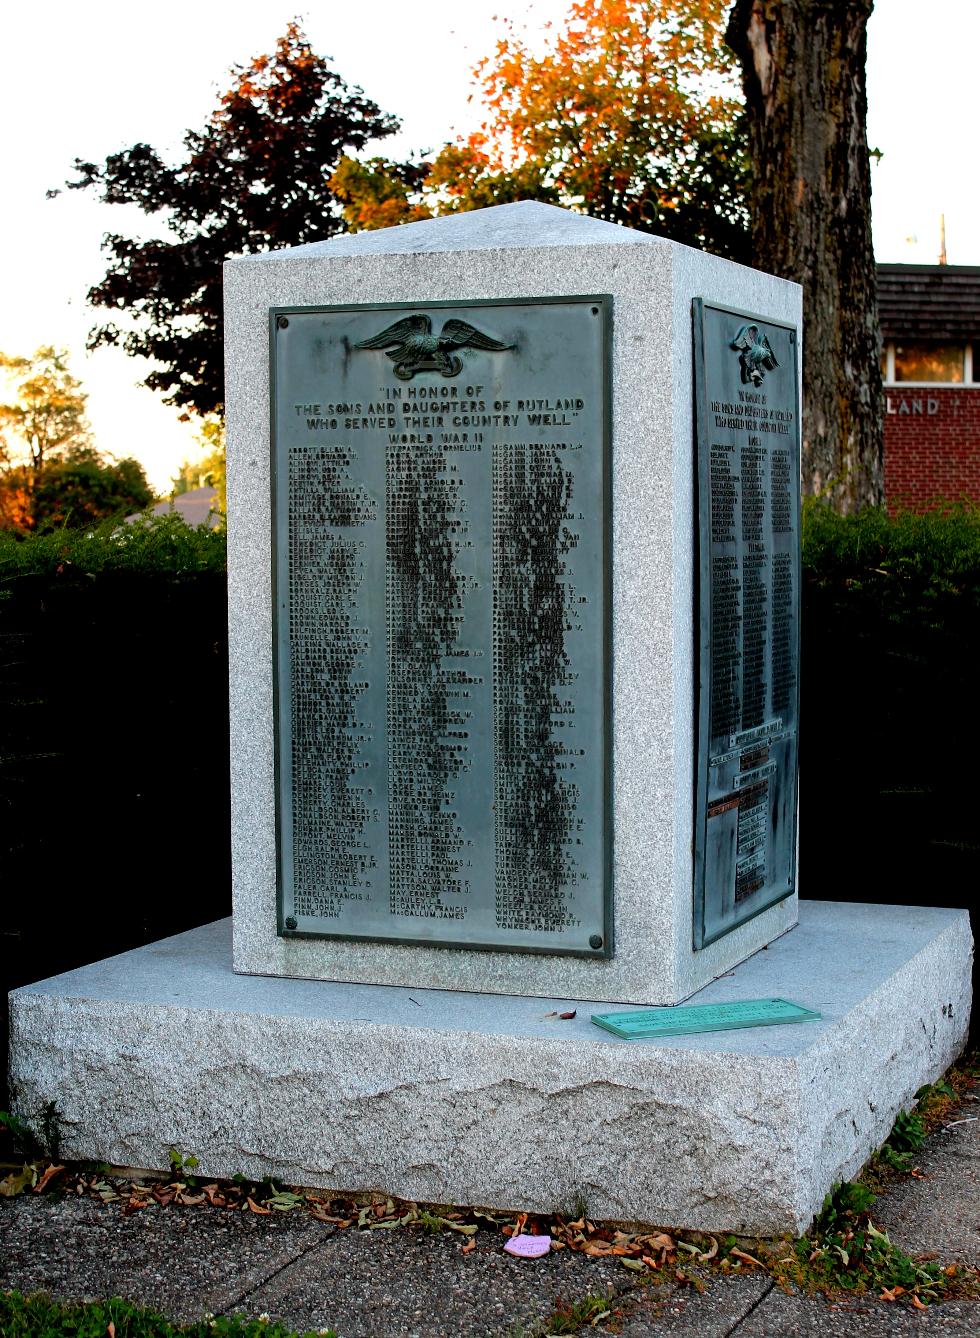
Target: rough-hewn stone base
{"x": 486, "y": 1099}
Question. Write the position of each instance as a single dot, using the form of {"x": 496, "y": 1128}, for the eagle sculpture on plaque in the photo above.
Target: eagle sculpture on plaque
{"x": 412, "y": 346}
{"x": 756, "y": 355}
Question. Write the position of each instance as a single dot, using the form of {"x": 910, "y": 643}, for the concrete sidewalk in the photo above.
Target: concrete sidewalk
{"x": 387, "y": 1283}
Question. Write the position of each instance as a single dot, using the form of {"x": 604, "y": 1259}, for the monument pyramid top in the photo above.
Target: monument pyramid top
{"x": 503, "y": 226}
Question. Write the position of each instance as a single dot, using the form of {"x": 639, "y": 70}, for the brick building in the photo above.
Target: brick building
{"x": 930, "y": 329}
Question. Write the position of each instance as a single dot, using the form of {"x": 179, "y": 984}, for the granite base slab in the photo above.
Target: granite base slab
{"x": 494, "y": 1100}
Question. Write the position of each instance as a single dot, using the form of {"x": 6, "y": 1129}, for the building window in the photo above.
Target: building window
{"x": 928, "y": 362}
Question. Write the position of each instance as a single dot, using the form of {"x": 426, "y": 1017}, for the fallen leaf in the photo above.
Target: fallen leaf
{"x": 597, "y": 1249}
{"x": 468, "y": 1246}
{"x": 891, "y": 1293}
{"x": 917, "y": 1303}
{"x": 566, "y": 1016}
{"x": 257, "y": 1208}
{"x": 111, "y": 1329}
{"x": 661, "y": 1241}
{"x": 634, "y": 1264}
{"x": 46, "y": 1178}
{"x": 285, "y": 1201}
{"x": 710, "y": 1253}
{"x": 18, "y": 1181}
{"x": 749, "y": 1259}
{"x": 321, "y": 1216}
{"x": 650, "y": 1263}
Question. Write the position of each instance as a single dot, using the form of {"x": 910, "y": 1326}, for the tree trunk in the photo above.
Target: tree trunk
{"x": 803, "y": 70}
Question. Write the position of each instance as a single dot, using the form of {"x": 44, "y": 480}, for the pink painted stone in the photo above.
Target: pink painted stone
{"x": 528, "y": 1247}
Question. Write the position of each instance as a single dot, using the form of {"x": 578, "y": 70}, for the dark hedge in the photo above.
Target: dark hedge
{"x": 114, "y": 787}
{"x": 889, "y": 709}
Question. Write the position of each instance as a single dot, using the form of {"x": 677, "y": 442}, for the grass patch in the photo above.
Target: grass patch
{"x": 40, "y": 1317}
{"x": 845, "y": 1251}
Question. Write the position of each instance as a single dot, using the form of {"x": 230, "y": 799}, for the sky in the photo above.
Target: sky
{"x": 85, "y": 80}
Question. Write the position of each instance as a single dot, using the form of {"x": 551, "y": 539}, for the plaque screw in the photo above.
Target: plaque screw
{"x": 290, "y": 921}
{"x": 594, "y": 942}
{"x": 282, "y": 322}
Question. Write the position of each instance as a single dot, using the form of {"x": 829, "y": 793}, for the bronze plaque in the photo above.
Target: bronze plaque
{"x": 441, "y": 539}
{"x": 748, "y": 459}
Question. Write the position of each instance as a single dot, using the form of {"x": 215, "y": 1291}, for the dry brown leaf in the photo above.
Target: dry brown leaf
{"x": 891, "y": 1293}
{"x": 46, "y": 1178}
{"x": 257, "y": 1207}
{"x": 917, "y": 1303}
{"x": 650, "y": 1263}
{"x": 709, "y": 1253}
{"x": 749, "y": 1258}
{"x": 565, "y": 1016}
{"x": 111, "y": 1329}
{"x": 661, "y": 1241}
{"x": 597, "y": 1248}
{"x": 468, "y": 1246}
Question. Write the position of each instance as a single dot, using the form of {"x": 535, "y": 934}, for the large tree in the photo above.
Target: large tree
{"x": 47, "y": 413}
{"x": 803, "y": 65}
{"x": 52, "y": 473}
{"x": 84, "y": 487}
{"x": 630, "y": 113}
{"x": 255, "y": 178}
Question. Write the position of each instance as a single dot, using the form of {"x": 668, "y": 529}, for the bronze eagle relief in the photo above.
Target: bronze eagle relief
{"x": 756, "y": 355}
{"x": 412, "y": 346}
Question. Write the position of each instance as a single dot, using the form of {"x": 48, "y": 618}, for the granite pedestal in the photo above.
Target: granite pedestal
{"x": 492, "y": 1100}
{"x": 534, "y": 251}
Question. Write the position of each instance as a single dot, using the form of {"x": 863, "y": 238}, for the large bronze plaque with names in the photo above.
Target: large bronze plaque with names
{"x": 748, "y": 454}
{"x": 441, "y": 550}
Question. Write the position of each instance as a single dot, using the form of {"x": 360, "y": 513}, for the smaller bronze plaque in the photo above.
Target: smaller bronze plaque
{"x": 748, "y": 454}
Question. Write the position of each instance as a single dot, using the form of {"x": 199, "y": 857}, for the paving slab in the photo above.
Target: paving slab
{"x": 940, "y": 1214}
{"x": 180, "y": 1261}
{"x": 377, "y": 1283}
{"x": 676, "y": 1312}
{"x": 782, "y": 1316}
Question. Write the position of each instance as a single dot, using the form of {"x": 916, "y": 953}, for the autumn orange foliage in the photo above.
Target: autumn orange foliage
{"x": 630, "y": 114}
